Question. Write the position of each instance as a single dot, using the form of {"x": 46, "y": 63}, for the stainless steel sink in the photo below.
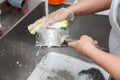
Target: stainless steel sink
{"x": 18, "y": 54}
{"x": 9, "y": 16}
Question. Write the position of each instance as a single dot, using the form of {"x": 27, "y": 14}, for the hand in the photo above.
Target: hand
{"x": 84, "y": 44}
{"x": 54, "y": 17}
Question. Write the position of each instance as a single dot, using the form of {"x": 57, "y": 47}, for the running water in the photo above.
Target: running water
{"x": 46, "y": 22}
{"x": 46, "y": 10}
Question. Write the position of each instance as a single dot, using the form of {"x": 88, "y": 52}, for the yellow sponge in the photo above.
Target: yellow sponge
{"x": 61, "y": 25}
{"x": 64, "y": 24}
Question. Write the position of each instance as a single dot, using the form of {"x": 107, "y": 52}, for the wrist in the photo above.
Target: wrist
{"x": 70, "y": 14}
{"x": 89, "y": 50}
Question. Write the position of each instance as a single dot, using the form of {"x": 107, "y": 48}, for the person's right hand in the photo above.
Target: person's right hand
{"x": 83, "y": 45}
{"x": 54, "y": 17}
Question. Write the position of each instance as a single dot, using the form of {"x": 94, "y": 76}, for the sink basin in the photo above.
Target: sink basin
{"x": 9, "y": 16}
{"x": 18, "y": 54}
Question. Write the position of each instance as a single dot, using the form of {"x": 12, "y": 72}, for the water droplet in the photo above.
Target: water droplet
{"x": 30, "y": 72}
{"x": 21, "y": 48}
{"x": 14, "y": 46}
{"x": 17, "y": 62}
{"x": 27, "y": 56}
{"x": 3, "y": 50}
{"x": 13, "y": 55}
{"x": 5, "y": 40}
{"x": 26, "y": 66}
{"x": 10, "y": 65}
{"x": 21, "y": 42}
{"x": 37, "y": 53}
{"x": 21, "y": 52}
{"x": 20, "y": 65}
{"x": 26, "y": 74}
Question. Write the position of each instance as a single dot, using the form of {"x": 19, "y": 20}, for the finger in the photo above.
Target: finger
{"x": 40, "y": 21}
{"x": 72, "y": 44}
{"x": 95, "y": 42}
{"x": 84, "y": 36}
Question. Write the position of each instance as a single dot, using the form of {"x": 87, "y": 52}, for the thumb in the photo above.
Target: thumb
{"x": 72, "y": 44}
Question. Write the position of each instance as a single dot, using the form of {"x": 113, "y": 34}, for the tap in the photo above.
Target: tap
{"x": 17, "y": 3}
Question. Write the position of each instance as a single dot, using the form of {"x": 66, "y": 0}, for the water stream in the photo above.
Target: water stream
{"x": 46, "y": 10}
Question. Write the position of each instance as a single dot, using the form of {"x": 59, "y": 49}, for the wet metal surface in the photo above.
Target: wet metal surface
{"x": 19, "y": 56}
{"x": 9, "y": 16}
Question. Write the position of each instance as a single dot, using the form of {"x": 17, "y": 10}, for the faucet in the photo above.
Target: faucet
{"x": 17, "y": 3}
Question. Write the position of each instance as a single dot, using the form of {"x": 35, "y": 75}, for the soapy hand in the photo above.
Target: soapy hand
{"x": 54, "y": 17}
{"x": 83, "y": 44}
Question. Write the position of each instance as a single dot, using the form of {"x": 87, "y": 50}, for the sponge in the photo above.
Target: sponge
{"x": 59, "y": 25}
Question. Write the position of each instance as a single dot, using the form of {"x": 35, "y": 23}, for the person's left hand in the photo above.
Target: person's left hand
{"x": 84, "y": 44}
{"x": 56, "y": 16}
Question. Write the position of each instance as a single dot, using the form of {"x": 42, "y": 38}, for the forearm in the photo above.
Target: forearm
{"x": 109, "y": 62}
{"x": 84, "y": 7}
